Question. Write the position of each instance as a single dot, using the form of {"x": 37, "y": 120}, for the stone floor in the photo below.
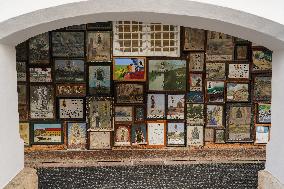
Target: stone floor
{"x": 193, "y": 176}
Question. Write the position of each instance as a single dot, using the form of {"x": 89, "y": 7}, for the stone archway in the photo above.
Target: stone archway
{"x": 185, "y": 13}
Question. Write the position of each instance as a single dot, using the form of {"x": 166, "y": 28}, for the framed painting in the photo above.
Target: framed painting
{"x": 156, "y": 133}
{"x": 196, "y": 61}
{"x": 156, "y": 106}
{"x": 39, "y": 49}
{"x": 129, "y": 69}
{"x": 219, "y": 136}
{"x": 176, "y": 134}
{"x": 99, "y": 140}
{"x": 215, "y": 71}
{"x": 262, "y": 88}
{"x": 70, "y": 90}
{"x": 47, "y": 133}
{"x": 24, "y": 129}
{"x": 23, "y": 112}
{"x": 214, "y": 115}
{"x": 238, "y": 92}
{"x": 69, "y": 70}
{"x": 262, "y": 134}
{"x": 195, "y": 136}
{"x": 98, "y": 46}
{"x": 40, "y": 75}
{"x": 167, "y": 75}
{"x": 195, "y": 97}
{"x": 42, "y": 102}
{"x": 175, "y": 106}
{"x": 22, "y": 94}
{"x": 76, "y": 135}
{"x": 71, "y": 108}
{"x": 21, "y": 71}
{"x": 123, "y": 114}
{"x": 220, "y": 46}
{"x": 263, "y": 113}
{"x": 129, "y": 93}
{"x": 209, "y": 135}
{"x": 195, "y": 82}
{"x": 99, "y": 80}
{"x": 139, "y": 113}
{"x": 100, "y": 112}
{"x": 261, "y": 60}
{"x": 139, "y": 134}
{"x": 239, "y": 122}
{"x": 195, "y": 114}
{"x": 122, "y": 134}
{"x": 68, "y": 44}
{"x": 238, "y": 71}
{"x": 194, "y": 39}
{"x": 22, "y": 51}
{"x": 215, "y": 91}
{"x": 241, "y": 52}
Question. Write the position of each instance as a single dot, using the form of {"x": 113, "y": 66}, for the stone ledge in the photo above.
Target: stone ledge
{"x": 26, "y": 179}
{"x": 267, "y": 181}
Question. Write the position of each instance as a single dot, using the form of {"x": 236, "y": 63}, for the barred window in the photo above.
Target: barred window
{"x": 141, "y": 39}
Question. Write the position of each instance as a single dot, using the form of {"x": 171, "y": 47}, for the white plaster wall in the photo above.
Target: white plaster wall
{"x": 256, "y": 20}
{"x": 275, "y": 148}
{"x": 11, "y": 146}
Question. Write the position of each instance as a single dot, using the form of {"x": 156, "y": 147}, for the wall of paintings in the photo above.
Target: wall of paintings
{"x": 187, "y": 87}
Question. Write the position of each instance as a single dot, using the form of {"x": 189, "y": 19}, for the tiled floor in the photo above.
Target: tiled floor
{"x": 193, "y": 176}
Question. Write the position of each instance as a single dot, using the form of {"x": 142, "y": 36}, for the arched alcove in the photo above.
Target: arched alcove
{"x": 185, "y": 13}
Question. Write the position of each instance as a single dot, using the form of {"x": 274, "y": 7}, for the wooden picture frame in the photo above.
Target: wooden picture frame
{"x": 216, "y": 70}
{"x": 196, "y": 82}
{"x": 262, "y": 88}
{"x": 71, "y": 108}
{"x": 262, "y": 134}
{"x": 239, "y": 122}
{"x": 209, "y": 135}
{"x": 176, "y": 133}
{"x": 139, "y": 114}
{"x": 175, "y": 107}
{"x": 238, "y": 71}
{"x": 40, "y": 75}
{"x": 195, "y": 114}
{"x": 123, "y": 114}
{"x": 122, "y": 135}
{"x": 44, "y": 132}
{"x": 42, "y": 102}
{"x": 263, "y": 113}
{"x": 196, "y": 61}
{"x": 172, "y": 75}
{"x": 195, "y": 97}
{"x": 215, "y": 91}
{"x": 194, "y": 39}
{"x": 261, "y": 60}
{"x": 220, "y": 47}
{"x": 139, "y": 134}
{"x": 129, "y": 93}
{"x": 220, "y": 136}
{"x": 156, "y": 134}
{"x": 25, "y": 133}
{"x": 215, "y": 116}
{"x": 100, "y": 140}
{"x": 76, "y": 134}
{"x": 69, "y": 71}
{"x": 68, "y": 44}
{"x": 156, "y": 106}
{"x": 238, "y": 92}
{"x": 98, "y": 46}
{"x": 129, "y": 69}
{"x": 39, "y": 49}
{"x": 99, "y": 79}
{"x": 242, "y": 51}
{"x": 71, "y": 90}
{"x": 195, "y": 136}
{"x": 100, "y": 113}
